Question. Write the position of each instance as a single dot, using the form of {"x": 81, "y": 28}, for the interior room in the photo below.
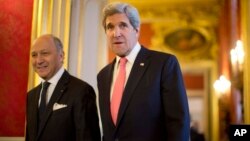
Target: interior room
{"x": 210, "y": 38}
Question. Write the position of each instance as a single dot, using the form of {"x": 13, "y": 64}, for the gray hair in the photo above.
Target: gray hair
{"x": 58, "y": 43}
{"x": 117, "y": 7}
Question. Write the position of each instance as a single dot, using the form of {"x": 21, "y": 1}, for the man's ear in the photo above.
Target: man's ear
{"x": 137, "y": 29}
{"x": 62, "y": 55}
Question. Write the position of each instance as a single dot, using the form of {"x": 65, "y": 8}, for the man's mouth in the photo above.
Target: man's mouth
{"x": 117, "y": 43}
{"x": 41, "y": 67}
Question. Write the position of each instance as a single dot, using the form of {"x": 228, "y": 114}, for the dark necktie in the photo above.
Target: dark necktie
{"x": 43, "y": 103}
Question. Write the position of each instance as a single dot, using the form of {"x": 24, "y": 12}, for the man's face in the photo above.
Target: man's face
{"x": 121, "y": 35}
{"x": 46, "y": 59}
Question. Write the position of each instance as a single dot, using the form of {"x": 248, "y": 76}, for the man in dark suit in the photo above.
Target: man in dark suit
{"x": 69, "y": 110}
{"x": 152, "y": 103}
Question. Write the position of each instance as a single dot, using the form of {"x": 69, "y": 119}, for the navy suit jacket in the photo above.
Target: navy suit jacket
{"x": 154, "y": 105}
{"x": 76, "y": 122}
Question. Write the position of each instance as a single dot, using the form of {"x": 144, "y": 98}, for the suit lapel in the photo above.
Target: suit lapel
{"x": 58, "y": 92}
{"x": 34, "y": 108}
{"x": 107, "y": 91}
{"x": 140, "y": 65}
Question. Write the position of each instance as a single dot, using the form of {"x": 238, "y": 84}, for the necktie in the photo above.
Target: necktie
{"x": 43, "y": 102}
{"x": 118, "y": 89}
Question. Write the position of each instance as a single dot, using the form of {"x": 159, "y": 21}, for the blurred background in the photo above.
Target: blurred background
{"x": 210, "y": 38}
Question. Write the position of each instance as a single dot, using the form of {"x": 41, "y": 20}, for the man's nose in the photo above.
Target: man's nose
{"x": 39, "y": 59}
{"x": 117, "y": 32}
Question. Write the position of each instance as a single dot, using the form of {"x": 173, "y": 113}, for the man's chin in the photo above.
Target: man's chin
{"x": 42, "y": 75}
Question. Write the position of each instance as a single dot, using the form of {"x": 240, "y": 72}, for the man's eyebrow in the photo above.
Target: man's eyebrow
{"x": 109, "y": 24}
{"x": 124, "y": 23}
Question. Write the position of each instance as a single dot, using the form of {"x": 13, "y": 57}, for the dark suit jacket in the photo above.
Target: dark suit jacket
{"x": 76, "y": 122}
{"x": 154, "y": 105}
{"x": 195, "y": 135}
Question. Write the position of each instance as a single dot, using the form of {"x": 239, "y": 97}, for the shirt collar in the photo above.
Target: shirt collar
{"x": 132, "y": 55}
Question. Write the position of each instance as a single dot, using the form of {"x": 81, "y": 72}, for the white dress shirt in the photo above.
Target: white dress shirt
{"x": 53, "y": 82}
{"x": 131, "y": 59}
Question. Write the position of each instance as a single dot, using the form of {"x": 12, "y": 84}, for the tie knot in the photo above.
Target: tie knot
{"x": 123, "y": 61}
{"x": 46, "y": 84}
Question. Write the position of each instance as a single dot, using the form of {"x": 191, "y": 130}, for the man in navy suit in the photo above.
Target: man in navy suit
{"x": 71, "y": 112}
{"x": 154, "y": 105}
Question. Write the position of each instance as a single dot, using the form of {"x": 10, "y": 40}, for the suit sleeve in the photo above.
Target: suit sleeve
{"x": 175, "y": 102}
{"x": 26, "y": 126}
{"x": 86, "y": 117}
